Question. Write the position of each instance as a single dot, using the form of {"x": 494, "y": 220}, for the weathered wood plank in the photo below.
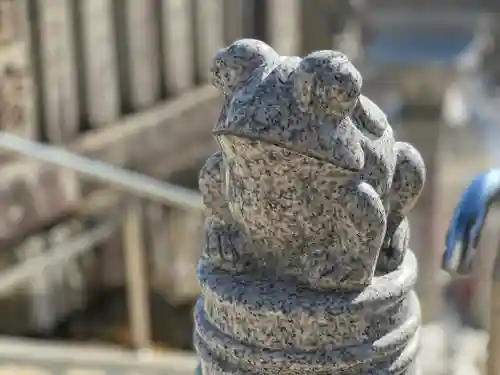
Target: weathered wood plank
{"x": 90, "y": 170}
{"x": 283, "y": 24}
{"x": 144, "y": 60}
{"x": 168, "y": 131}
{"x": 136, "y": 271}
{"x": 177, "y": 45}
{"x": 54, "y": 272}
{"x": 23, "y": 202}
{"x": 17, "y": 94}
{"x": 49, "y": 274}
{"x": 185, "y": 241}
{"x": 209, "y": 34}
{"x": 178, "y": 134}
{"x": 14, "y": 94}
{"x": 27, "y": 357}
{"x": 32, "y": 193}
{"x": 234, "y": 20}
{"x": 10, "y": 29}
{"x": 318, "y": 19}
{"x": 100, "y": 65}
{"x": 60, "y": 86}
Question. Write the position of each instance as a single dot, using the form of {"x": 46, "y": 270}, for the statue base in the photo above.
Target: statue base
{"x": 247, "y": 323}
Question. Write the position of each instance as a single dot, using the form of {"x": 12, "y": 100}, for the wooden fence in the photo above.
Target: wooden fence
{"x": 125, "y": 82}
{"x": 69, "y": 66}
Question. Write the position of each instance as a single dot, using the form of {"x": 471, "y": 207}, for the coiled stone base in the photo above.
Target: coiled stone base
{"x": 247, "y": 324}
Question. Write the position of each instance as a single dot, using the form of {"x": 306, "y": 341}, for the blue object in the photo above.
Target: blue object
{"x": 468, "y": 220}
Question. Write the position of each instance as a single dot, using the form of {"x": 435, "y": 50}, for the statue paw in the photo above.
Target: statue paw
{"x": 211, "y": 184}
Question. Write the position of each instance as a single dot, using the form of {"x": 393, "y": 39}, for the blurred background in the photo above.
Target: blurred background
{"x": 91, "y": 275}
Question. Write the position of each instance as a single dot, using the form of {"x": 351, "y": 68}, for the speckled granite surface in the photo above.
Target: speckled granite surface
{"x": 305, "y": 268}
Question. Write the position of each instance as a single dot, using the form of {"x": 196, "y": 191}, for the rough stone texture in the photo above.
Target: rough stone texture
{"x": 305, "y": 267}
{"x": 17, "y": 92}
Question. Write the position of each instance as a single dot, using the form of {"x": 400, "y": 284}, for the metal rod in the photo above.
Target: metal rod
{"x": 136, "y": 276}
{"x": 13, "y": 278}
{"x": 122, "y": 179}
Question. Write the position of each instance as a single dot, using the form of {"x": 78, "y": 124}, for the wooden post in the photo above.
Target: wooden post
{"x": 101, "y": 72}
{"x": 283, "y": 23}
{"x": 234, "y": 20}
{"x": 143, "y": 57}
{"x": 17, "y": 89}
{"x": 177, "y": 41}
{"x": 136, "y": 276}
{"x": 424, "y": 133}
{"x": 209, "y": 34}
{"x": 59, "y": 84}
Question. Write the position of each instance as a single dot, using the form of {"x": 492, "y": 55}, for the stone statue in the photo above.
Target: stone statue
{"x": 305, "y": 268}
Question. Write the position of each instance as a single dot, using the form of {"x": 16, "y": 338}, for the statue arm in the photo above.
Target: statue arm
{"x": 407, "y": 185}
{"x": 212, "y": 186}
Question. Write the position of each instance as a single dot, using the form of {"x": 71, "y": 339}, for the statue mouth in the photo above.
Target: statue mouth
{"x": 350, "y": 161}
